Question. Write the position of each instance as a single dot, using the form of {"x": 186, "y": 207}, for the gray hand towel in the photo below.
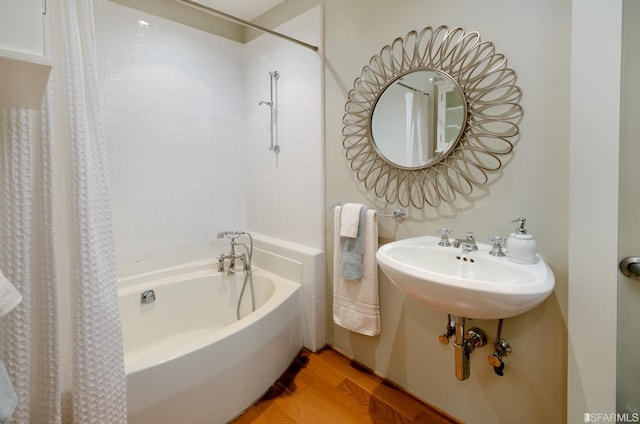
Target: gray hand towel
{"x": 352, "y": 249}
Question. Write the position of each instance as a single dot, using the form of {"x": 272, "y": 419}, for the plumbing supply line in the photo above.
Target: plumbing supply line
{"x": 249, "y": 24}
{"x": 502, "y": 348}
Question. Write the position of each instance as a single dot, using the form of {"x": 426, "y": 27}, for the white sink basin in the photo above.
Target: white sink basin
{"x": 471, "y": 285}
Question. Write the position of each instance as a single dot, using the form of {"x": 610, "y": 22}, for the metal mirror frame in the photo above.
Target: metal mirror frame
{"x": 492, "y": 114}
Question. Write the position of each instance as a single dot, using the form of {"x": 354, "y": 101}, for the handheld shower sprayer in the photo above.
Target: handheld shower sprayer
{"x": 230, "y": 234}
{"x": 233, "y": 235}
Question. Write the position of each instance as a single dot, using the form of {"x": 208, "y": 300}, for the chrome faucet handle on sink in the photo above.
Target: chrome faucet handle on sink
{"x": 444, "y": 237}
{"x": 496, "y": 249}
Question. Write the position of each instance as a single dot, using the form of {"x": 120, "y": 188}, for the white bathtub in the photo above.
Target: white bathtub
{"x": 188, "y": 359}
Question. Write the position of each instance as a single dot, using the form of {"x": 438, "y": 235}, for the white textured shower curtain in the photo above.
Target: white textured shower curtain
{"x": 417, "y": 127}
{"x": 62, "y": 345}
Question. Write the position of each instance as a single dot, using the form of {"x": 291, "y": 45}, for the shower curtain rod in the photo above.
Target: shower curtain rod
{"x": 414, "y": 89}
{"x": 227, "y": 16}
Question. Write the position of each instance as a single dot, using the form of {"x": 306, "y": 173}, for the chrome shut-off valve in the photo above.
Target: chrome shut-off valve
{"x": 502, "y": 349}
{"x": 450, "y": 331}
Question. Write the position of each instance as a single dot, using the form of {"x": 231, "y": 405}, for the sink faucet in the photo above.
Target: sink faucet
{"x": 467, "y": 244}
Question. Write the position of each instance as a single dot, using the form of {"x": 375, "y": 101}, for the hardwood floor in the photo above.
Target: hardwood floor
{"x": 326, "y": 387}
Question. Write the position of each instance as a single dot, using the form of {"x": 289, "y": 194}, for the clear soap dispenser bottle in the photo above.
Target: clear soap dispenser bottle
{"x": 521, "y": 246}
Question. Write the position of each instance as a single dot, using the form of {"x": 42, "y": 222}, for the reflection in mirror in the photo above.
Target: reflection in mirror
{"x": 418, "y": 118}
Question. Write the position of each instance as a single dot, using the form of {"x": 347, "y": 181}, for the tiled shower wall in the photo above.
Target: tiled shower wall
{"x": 286, "y": 192}
{"x": 188, "y": 144}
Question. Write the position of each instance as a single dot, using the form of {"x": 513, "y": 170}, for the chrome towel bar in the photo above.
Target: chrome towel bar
{"x": 397, "y": 214}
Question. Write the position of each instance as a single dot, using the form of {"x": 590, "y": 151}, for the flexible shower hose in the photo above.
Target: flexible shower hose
{"x": 248, "y": 276}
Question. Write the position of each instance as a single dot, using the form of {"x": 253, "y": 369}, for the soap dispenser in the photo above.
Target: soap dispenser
{"x": 521, "y": 246}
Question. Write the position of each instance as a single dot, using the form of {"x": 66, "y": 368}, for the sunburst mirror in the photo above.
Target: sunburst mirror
{"x": 430, "y": 116}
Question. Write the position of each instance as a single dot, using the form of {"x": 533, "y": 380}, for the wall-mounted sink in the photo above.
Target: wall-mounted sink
{"x": 467, "y": 284}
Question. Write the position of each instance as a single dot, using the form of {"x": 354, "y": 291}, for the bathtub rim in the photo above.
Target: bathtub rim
{"x": 311, "y": 274}
{"x": 283, "y": 289}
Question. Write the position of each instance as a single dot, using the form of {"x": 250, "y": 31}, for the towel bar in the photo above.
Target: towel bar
{"x": 397, "y": 214}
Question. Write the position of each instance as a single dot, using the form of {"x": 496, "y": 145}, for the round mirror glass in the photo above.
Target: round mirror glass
{"x": 418, "y": 118}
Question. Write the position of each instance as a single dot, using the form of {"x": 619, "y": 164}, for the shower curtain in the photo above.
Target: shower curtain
{"x": 417, "y": 128}
{"x": 62, "y": 345}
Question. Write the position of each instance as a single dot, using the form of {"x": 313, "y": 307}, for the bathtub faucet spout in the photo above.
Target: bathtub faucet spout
{"x": 232, "y": 256}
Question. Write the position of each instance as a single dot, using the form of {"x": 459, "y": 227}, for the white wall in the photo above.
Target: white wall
{"x": 286, "y": 193}
{"x": 536, "y": 39}
{"x": 173, "y": 106}
{"x": 628, "y": 351}
{"x": 593, "y": 237}
{"x": 21, "y": 26}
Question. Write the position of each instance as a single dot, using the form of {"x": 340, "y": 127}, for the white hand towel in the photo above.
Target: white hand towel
{"x": 349, "y": 219}
{"x": 10, "y": 297}
{"x": 356, "y": 305}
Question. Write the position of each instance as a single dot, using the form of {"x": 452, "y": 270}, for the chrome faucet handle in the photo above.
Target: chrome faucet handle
{"x": 496, "y": 249}
{"x": 444, "y": 237}
{"x": 243, "y": 258}
{"x": 221, "y": 262}
{"x": 450, "y": 331}
{"x": 502, "y": 349}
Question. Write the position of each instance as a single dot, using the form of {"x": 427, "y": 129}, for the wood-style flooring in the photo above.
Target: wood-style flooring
{"x": 326, "y": 387}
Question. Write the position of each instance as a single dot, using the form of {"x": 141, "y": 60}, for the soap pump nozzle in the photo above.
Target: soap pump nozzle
{"x": 520, "y": 229}
{"x": 520, "y": 245}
